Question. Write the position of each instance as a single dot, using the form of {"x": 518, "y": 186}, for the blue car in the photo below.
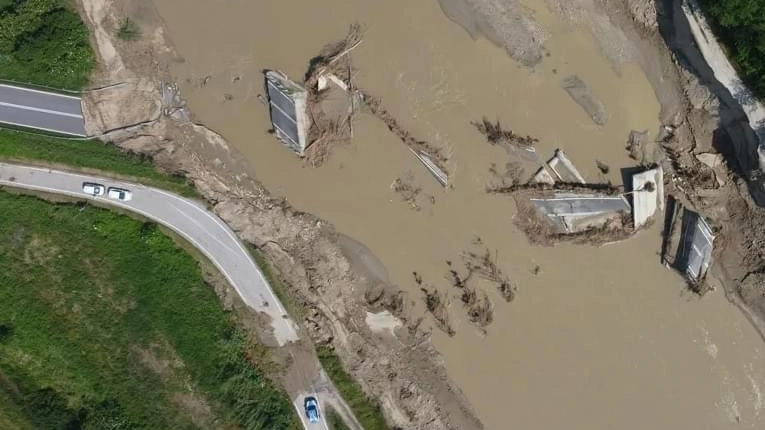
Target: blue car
{"x": 312, "y": 409}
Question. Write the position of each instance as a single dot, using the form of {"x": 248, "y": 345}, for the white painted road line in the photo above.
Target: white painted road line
{"x": 35, "y": 109}
{"x": 41, "y": 128}
{"x": 57, "y": 113}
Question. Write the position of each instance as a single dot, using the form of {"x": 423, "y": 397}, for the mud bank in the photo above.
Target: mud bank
{"x": 402, "y": 372}
{"x": 621, "y": 324}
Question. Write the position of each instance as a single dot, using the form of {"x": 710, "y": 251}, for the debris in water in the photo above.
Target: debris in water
{"x": 688, "y": 244}
{"x": 429, "y": 155}
{"x": 564, "y": 169}
{"x": 647, "y": 195}
{"x": 577, "y": 212}
{"x": 485, "y": 265}
{"x": 407, "y": 190}
{"x": 333, "y": 60}
{"x": 603, "y": 167}
{"x": 481, "y": 311}
{"x": 173, "y": 104}
{"x": 636, "y": 145}
{"x": 496, "y": 135}
{"x": 432, "y": 167}
{"x": 582, "y": 213}
{"x": 543, "y": 176}
{"x": 436, "y": 305}
{"x": 479, "y": 307}
{"x": 289, "y": 117}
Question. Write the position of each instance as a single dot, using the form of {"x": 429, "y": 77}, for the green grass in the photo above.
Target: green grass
{"x": 44, "y": 42}
{"x": 91, "y": 155}
{"x": 334, "y": 421}
{"x": 367, "y": 412}
{"x": 291, "y": 304}
{"x": 106, "y": 323}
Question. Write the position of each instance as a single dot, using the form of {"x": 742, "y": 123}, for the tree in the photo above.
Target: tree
{"x": 740, "y": 25}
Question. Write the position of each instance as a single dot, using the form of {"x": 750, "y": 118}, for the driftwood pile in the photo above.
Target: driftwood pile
{"x": 327, "y": 130}
{"x": 496, "y": 135}
{"x": 377, "y": 109}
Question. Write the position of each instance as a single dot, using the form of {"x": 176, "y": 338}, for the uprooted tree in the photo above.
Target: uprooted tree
{"x": 496, "y": 135}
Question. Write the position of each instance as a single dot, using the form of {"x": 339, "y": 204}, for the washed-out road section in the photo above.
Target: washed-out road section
{"x": 41, "y": 110}
{"x": 191, "y": 220}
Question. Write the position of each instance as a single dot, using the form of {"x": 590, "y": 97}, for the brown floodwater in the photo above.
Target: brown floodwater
{"x": 599, "y": 337}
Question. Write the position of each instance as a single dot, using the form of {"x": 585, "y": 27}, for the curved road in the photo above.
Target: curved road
{"x": 191, "y": 220}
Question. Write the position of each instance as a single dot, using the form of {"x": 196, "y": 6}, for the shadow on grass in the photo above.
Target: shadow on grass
{"x": 91, "y": 156}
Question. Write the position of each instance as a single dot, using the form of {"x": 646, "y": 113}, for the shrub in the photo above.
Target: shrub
{"x": 740, "y": 24}
{"x": 128, "y": 30}
{"x": 44, "y": 42}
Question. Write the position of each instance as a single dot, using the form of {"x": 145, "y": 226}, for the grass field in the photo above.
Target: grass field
{"x": 106, "y": 324}
{"x": 91, "y": 155}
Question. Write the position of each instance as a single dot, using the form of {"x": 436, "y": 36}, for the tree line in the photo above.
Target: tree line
{"x": 740, "y": 25}
{"x": 44, "y": 42}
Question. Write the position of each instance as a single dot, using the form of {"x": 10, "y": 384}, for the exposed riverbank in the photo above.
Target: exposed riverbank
{"x": 621, "y": 325}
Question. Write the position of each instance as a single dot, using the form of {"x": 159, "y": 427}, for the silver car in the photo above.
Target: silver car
{"x": 120, "y": 194}
{"x": 93, "y": 189}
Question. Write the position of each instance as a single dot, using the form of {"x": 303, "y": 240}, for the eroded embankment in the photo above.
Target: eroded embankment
{"x": 622, "y": 316}
{"x": 403, "y": 373}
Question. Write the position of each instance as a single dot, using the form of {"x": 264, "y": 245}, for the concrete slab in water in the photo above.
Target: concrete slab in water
{"x": 694, "y": 253}
{"x": 645, "y": 202}
{"x": 574, "y": 212}
{"x": 564, "y": 169}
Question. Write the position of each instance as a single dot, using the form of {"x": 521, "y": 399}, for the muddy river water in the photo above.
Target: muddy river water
{"x": 598, "y": 338}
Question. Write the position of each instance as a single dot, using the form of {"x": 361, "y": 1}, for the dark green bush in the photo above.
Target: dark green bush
{"x": 740, "y": 24}
{"x": 367, "y": 411}
{"x": 44, "y": 42}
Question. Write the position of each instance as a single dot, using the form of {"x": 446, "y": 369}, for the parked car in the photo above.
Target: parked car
{"x": 93, "y": 189}
{"x": 312, "y": 409}
{"x": 120, "y": 194}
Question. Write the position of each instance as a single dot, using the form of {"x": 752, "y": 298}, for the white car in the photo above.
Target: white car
{"x": 120, "y": 194}
{"x": 93, "y": 189}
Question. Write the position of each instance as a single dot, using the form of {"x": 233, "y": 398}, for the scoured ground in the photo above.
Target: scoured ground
{"x": 512, "y": 368}
{"x": 402, "y": 373}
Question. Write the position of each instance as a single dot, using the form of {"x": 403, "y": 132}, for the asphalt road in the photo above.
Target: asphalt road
{"x": 41, "y": 110}
{"x": 191, "y": 220}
